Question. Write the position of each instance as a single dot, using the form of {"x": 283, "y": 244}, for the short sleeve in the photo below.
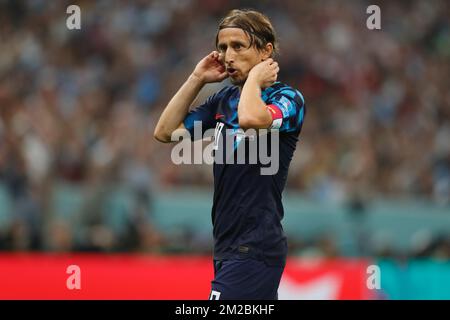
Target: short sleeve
{"x": 287, "y": 108}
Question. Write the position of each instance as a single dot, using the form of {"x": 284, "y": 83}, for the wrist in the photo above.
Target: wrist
{"x": 196, "y": 79}
{"x": 253, "y": 80}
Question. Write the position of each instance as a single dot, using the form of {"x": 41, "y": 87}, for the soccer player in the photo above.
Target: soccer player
{"x": 250, "y": 247}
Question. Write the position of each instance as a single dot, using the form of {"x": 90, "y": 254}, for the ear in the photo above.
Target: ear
{"x": 267, "y": 51}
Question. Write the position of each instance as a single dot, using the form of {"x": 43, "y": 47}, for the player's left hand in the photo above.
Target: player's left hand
{"x": 265, "y": 73}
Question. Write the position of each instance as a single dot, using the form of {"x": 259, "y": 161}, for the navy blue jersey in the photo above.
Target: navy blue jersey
{"x": 247, "y": 208}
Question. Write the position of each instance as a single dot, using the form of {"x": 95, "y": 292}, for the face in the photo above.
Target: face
{"x": 237, "y": 56}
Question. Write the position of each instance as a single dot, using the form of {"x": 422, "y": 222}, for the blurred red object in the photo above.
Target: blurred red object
{"x": 129, "y": 276}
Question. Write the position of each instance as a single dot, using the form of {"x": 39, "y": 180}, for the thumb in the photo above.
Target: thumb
{"x": 223, "y": 75}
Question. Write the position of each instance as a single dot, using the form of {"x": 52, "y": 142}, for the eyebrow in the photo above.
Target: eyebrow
{"x": 221, "y": 45}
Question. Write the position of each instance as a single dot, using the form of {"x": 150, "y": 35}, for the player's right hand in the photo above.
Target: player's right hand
{"x": 210, "y": 69}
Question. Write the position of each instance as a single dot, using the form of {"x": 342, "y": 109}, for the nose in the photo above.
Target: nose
{"x": 229, "y": 56}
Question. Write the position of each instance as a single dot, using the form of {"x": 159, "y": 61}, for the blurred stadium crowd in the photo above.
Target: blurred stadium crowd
{"x": 78, "y": 108}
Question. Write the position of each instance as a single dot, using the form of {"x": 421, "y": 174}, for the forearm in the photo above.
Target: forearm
{"x": 177, "y": 108}
{"x": 252, "y": 111}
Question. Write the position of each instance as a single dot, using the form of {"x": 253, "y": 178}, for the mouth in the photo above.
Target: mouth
{"x": 232, "y": 72}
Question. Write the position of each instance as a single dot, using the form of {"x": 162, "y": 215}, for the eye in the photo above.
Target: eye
{"x": 237, "y": 46}
{"x": 222, "y": 48}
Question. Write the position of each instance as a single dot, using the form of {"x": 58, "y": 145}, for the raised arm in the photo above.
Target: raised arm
{"x": 208, "y": 70}
{"x": 252, "y": 111}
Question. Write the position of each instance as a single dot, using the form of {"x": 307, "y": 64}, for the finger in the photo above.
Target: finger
{"x": 220, "y": 58}
{"x": 213, "y": 55}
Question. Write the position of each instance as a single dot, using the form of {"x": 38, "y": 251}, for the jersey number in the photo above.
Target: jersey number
{"x": 217, "y": 133}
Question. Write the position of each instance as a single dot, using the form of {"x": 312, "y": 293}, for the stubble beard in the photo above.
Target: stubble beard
{"x": 238, "y": 81}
